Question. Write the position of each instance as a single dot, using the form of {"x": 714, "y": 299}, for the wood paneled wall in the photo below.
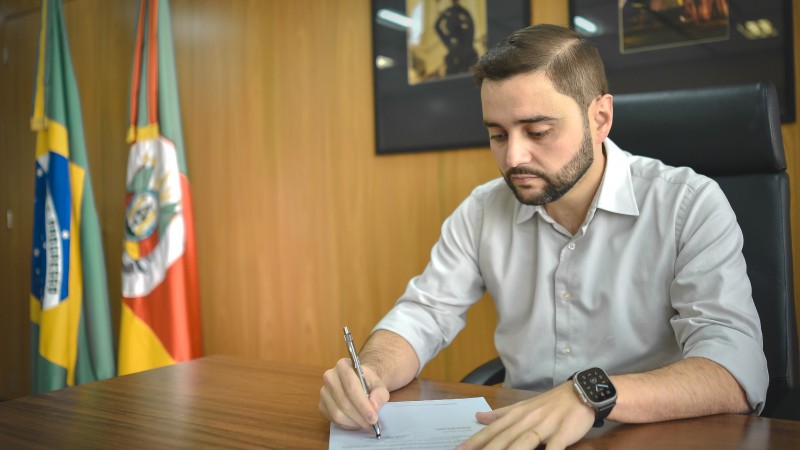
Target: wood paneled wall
{"x": 301, "y": 228}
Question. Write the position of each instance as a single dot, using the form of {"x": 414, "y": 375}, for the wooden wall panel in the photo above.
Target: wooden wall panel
{"x": 16, "y": 199}
{"x": 301, "y": 227}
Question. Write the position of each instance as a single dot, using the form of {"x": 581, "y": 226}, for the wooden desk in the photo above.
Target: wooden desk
{"x": 227, "y": 402}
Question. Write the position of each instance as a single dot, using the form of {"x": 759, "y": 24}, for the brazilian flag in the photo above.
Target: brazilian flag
{"x": 71, "y": 338}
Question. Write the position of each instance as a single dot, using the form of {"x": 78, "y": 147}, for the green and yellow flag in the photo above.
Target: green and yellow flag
{"x": 71, "y": 338}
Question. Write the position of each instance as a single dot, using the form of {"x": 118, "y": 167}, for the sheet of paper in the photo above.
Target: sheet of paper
{"x": 427, "y": 424}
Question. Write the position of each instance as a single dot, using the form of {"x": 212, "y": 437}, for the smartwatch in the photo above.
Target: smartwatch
{"x": 596, "y": 391}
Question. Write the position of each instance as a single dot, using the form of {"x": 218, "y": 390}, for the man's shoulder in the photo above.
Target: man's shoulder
{"x": 651, "y": 170}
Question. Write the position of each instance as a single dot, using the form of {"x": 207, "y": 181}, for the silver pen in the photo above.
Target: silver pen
{"x": 348, "y": 339}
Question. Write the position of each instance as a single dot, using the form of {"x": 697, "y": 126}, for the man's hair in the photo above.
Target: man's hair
{"x": 571, "y": 63}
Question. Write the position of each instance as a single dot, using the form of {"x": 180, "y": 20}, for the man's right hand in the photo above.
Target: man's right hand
{"x": 342, "y": 399}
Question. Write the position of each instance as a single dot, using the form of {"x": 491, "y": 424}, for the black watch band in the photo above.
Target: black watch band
{"x": 603, "y": 404}
{"x": 600, "y": 414}
{"x": 604, "y": 411}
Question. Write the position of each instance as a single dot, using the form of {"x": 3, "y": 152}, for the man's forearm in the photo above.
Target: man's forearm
{"x": 391, "y": 358}
{"x": 688, "y": 388}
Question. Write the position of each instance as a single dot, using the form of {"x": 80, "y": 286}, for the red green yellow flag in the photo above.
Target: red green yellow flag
{"x": 71, "y": 338}
{"x": 160, "y": 300}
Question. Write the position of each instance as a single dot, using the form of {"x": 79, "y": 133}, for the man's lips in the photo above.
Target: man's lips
{"x": 523, "y": 178}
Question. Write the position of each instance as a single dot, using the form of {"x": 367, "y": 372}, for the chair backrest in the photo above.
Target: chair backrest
{"x": 733, "y": 135}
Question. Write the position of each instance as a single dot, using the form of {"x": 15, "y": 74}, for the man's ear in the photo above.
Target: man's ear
{"x": 602, "y": 113}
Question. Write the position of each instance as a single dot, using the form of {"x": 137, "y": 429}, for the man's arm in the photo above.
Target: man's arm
{"x": 688, "y": 388}
{"x": 389, "y": 363}
{"x": 391, "y": 358}
{"x": 691, "y": 387}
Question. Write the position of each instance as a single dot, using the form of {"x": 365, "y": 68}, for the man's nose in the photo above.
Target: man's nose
{"x": 518, "y": 151}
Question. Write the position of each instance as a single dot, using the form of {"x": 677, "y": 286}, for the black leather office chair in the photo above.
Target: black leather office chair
{"x": 733, "y": 135}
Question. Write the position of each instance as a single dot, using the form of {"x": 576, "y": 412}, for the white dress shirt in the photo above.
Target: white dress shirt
{"x": 654, "y": 274}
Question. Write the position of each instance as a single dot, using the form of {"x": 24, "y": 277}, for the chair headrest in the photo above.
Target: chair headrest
{"x": 716, "y": 131}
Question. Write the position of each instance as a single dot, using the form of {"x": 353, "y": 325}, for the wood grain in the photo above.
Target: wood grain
{"x": 231, "y": 402}
{"x": 16, "y": 198}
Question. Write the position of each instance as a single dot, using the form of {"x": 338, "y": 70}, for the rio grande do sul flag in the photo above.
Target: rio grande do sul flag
{"x": 71, "y": 340}
{"x": 160, "y": 322}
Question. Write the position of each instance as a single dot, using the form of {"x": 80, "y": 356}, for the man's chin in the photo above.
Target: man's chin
{"x": 528, "y": 196}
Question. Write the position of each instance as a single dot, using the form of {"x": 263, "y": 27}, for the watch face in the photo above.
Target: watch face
{"x": 596, "y": 385}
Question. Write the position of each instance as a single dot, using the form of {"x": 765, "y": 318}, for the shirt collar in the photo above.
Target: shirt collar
{"x": 616, "y": 188}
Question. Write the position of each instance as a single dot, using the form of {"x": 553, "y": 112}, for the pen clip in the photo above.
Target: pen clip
{"x": 348, "y": 339}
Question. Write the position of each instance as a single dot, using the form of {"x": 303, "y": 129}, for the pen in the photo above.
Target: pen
{"x": 348, "y": 339}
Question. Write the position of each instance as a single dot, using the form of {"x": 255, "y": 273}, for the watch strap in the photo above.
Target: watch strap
{"x": 600, "y": 413}
{"x": 604, "y": 411}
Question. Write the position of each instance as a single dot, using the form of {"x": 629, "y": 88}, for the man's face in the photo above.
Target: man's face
{"x": 539, "y": 137}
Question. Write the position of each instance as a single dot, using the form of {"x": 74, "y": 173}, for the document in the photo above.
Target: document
{"x": 426, "y": 425}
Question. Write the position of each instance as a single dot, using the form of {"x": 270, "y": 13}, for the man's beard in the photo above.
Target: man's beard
{"x": 556, "y": 185}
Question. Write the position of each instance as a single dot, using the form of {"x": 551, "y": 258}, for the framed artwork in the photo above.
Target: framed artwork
{"x": 425, "y": 98}
{"x": 656, "y": 45}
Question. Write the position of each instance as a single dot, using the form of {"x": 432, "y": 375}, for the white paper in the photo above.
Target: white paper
{"x": 427, "y": 424}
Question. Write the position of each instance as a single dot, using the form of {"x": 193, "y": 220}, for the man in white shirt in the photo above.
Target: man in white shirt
{"x": 601, "y": 264}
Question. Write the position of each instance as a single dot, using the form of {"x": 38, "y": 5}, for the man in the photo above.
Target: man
{"x": 594, "y": 258}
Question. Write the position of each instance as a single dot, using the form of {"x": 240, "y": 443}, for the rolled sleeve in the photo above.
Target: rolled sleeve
{"x": 739, "y": 354}
{"x": 716, "y": 317}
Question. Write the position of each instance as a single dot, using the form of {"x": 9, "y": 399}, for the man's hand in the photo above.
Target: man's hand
{"x": 342, "y": 399}
{"x": 556, "y": 418}
{"x": 388, "y": 362}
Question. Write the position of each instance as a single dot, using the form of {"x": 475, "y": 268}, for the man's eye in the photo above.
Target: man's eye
{"x": 497, "y": 137}
{"x": 538, "y": 134}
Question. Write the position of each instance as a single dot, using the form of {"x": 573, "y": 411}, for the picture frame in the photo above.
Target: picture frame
{"x": 661, "y": 45}
{"x": 432, "y": 102}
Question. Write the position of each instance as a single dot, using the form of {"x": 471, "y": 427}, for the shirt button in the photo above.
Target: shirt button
{"x": 566, "y": 351}
{"x": 571, "y": 246}
{"x": 566, "y": 295}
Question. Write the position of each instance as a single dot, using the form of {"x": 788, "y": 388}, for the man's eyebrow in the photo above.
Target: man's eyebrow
{"x": 533, "y": 119}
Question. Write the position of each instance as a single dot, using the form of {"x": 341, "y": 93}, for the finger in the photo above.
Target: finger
{"x": 486, "y": 417}
{"x": 331, "y": 411}
{"x": 339, "y": 403}
{"x": 338, "y": 408}
{"x": 378, "y": 393}
{"x": 528, "y": 439}
{"x": 555, "y": 444}
{"x": 512, "y": 423}
{"x": 491, "y": 416}
{"x": 523, "y": 431}
{"x": 379, "y": 397}
{"x": 495, "y": 435}
{"x": 569, "y": 431}
{"x": 354, "y": 391}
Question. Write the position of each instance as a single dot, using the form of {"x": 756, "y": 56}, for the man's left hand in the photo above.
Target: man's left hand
{"x": 556, "y": 418}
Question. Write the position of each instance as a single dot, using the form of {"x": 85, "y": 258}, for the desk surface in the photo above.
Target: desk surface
{"x": 228, "y": 402}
